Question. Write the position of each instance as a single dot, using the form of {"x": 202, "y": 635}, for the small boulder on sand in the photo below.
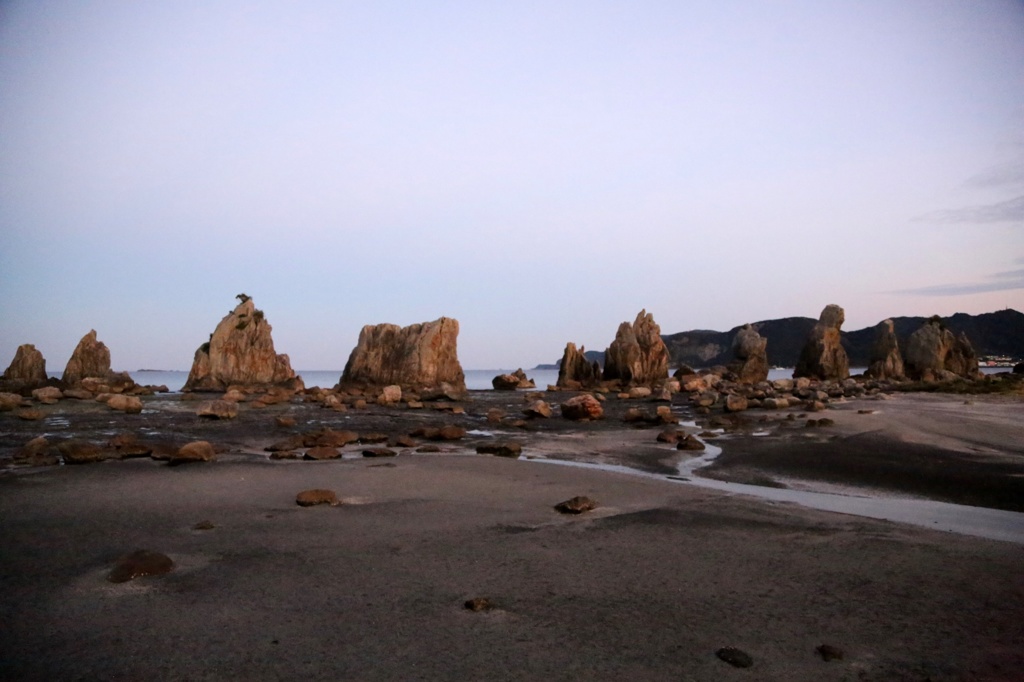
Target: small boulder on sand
{"x": 576, "y": 505}
{"x": 582, "y": 407}
{"x": 310, "y": 498}
{"x": 196, "y": 451}
{"x": 140, "y": 563}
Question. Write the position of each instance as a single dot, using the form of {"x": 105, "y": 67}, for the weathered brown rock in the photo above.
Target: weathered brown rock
{"x": 423, "y": 356}
{"x": 10, "y": 401}
{"x": 538, "y": 408}
{"x": 575, "y": 371}
{"x": 735, "y": 403}
{"x": 128, "y": 445}
{"x": 505, "y": 382}
{"x": 478, "y": 604}
{"x": 735, "y": 657}
{"x": 311, "y": 498}
{"x": 217, "y": 409}
{"x": 507, "y": 448}
{"x": 28, "y": 368}
{"x": 637, "y": 356}
{"x": 196, "y": 451}
{"x": 30, "y": 414}
{"x": 751, "y": 352}
{"x": 47, "y": 395}
{"x": 322, "y": 452}
{"x": 576, "y": 505}
{"x": 885, "y": 362}
{"x": 138, "y": 564}
{"x": 91, "y": 358}
{"x": 128, "y": 404}
{"x": 933, "y": 350}
{"x": 823, "y": 357}
{"x": 240, "y": 351}
{"x": 80, "y": 452}
{"x": 582, "y": 407}
{"x": 690, "y": 442}
{"x": 379, "y": 452}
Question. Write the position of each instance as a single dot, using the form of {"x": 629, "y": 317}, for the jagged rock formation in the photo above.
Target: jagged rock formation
{"x": 512, "y": 381}
{"x": 91, "y": 358}
{"x": 420, "y": 356}
{"x": 751, "y": 352}
{"x": 637, "y": 356}
{"x": 935, "y": 354}
{"x": 886, "y": 360}
{"x": 823, "y": 356}
{"x": 240, "y": 352}
{"x": 575, "y": 371}
{"x": 27, "y": 369}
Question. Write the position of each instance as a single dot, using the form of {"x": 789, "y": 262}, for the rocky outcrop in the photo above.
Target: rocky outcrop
{"x": 934, "y": 354}
{"x": 751, "y": 352}
{"x": 27, "y": 369}
{"x": 886, "y": 360}
{"x": 637, "y": 356}
{"x": 575, "y": 371}
{"x": 512, "y": 381}
{"x": 422, "y": 356}
{"x": 240, "y": 352}
{"x": 823, "y": 356}
{"x": 91, "y": 358}
{"x": 582, "y": 408}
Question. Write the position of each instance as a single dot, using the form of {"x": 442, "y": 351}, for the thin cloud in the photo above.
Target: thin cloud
{"x": 1000, "y": 281}
{"x": 997, "y": 176}
{"x": 1011, "y": 211}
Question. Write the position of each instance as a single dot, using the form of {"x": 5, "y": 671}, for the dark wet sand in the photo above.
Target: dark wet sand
{"x": 921, "y": 445}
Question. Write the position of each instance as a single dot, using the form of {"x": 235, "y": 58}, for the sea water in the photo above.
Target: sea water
{"x": 476, "y": 379}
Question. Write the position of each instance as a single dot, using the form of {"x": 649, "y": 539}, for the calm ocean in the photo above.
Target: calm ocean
{"x": 476, "y": 379}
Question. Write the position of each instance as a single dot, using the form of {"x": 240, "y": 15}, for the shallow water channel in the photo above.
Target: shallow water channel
{"x": 994, "y": 524}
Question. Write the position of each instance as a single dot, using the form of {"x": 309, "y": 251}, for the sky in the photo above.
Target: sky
{"x": 540, "y": 171}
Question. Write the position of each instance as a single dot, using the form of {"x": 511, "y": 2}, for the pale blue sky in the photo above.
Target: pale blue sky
{"x": 540, "y": 171}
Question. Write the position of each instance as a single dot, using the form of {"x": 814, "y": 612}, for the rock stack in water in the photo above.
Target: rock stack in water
{"x": 89, "y": 367}
{"x": 751, "y": 352}
{"x": 886, "y": 362}
{"x": 423, "y": 357}
{"x": 637, "y": 356}
{"x": 823, "y": 357}
{"x": 575, "y": 371}
{"x": 935, "y": 354}
{"x": 240, "y": 352}
{"x": 27, "y": 369}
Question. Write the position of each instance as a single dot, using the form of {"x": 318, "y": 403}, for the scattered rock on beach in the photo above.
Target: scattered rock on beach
{"x": 76, "y": 451}
{"x": 500, "y": 449}
{"x": 538, "y": 408}
{"x": 310, "y": 498}
{"x": 379, "y": 452}
{"x": 10, "y": 401}
{"x": 479, "y": 604}
{"x": 30, "y": 414}
{"x": 582, "y": 407}
{"x": 138, "y": 564}
{"x": 196, "y": 451}
{"x": 129, "y": 404}
{"x": 217, "y": 409}
{"x": 47, "y": 395}
{"x": 204, "y": 525}
{"x": 829, "y": 652}
{"x": 576, "y": 505}
{"x": 735, "y": 657}
{"x": 690, "y": 443}
{"x": 322, "y": 452}
{"x": 285, "y": 422}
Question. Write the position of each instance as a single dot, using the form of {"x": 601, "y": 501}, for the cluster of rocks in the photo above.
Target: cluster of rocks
{"x": 42, "y": 451}
{"x": 637, "y": 357}
{"x": 512, "y": 381}
{"x": 87, "y": 376}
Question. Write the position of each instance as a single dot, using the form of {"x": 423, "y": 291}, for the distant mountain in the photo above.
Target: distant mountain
{"x": 998, "y": 333}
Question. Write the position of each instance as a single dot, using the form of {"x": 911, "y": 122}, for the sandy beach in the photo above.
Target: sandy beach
{"x": 647, "y": 586}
